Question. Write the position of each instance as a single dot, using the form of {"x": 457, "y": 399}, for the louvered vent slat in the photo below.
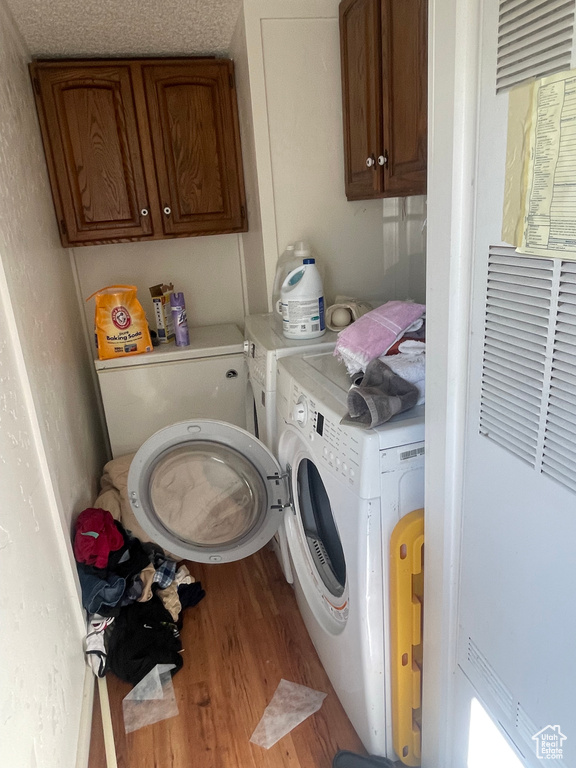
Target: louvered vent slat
{"x": 518, "y": 299}
{"x": 564, "y": 376}
{"x": 564, "y": 428}
{"x": 513, "y": 309}
{"x": 516, "y": 345}
{"x": 501, "y": 437}
{"x": 503, "y": 324}
{"x": 521, "y": 301}
{"x": 561, "y": 461}
{"x": 496, "y": 379}
{"x": 524, "y": 445}
{"x": 563, "y": 432}
{"x": 534, "y": 40}
{"x": 558, "y": 473}
{"x": 540, "y": 39}
{"x": 562, "y": 410}
{"x": 506, "y": 365}
{"x": 559, "y": 451}
{"x": 513, "y": 428}
{"x": 516, "y": 409}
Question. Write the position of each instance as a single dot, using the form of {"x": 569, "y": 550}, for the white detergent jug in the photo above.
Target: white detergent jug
{"x": 302, "y": 301}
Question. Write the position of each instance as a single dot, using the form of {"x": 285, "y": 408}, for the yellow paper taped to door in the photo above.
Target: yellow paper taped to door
{"x": 120, "y": 322}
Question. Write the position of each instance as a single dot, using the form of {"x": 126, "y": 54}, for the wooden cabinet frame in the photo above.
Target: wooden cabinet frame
{"x": 383, "y": 47}
{"x": 141, "y": 149}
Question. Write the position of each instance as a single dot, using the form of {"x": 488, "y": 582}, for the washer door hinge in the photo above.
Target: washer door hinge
{"x": 284, "y": 489}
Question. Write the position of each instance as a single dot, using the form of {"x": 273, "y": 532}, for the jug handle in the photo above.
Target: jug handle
{"x": 291, "y": 274}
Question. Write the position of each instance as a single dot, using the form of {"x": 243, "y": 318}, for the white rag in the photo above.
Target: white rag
{"x": 410, "y": 364}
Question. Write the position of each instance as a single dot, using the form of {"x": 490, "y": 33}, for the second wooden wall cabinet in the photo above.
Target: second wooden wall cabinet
{"x": 384, "y": 87}
{"x": 141, "y": 149}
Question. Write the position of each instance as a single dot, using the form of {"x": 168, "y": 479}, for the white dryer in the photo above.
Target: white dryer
{"x": 349, "y": 488}
{"x": 264, "y": 345}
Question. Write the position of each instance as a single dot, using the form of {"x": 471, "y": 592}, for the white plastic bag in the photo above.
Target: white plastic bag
{"x": 151, "y": 700}
{"x": 290, "y": 706}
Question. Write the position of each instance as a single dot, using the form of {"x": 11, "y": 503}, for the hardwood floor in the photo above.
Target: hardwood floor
{"x": 239, "y": 642}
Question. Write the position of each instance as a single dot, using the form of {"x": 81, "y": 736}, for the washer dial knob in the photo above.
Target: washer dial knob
{"x": 300, "y": 412}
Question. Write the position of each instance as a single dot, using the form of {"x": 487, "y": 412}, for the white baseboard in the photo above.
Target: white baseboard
{"x": 85, "y": 730}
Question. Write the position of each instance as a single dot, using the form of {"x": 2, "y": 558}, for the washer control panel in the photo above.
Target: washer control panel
{"x": 336, "y": 446}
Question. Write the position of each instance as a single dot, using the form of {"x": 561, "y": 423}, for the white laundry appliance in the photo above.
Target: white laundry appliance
{"x": 212, "y": 492}
{"x": 143, "y": 393}
{"x": 265, "y": 345}
{"x": 349, "y": 487}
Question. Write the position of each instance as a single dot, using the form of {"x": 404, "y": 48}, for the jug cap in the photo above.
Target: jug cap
{"x": 302, "y": 249}
{"x": 309, "y": 261}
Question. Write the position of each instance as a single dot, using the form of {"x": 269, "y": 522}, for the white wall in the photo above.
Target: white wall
{"x": 367, "y": 249}
{"x": 207, "y": 269}
{"x": 404, "y": 248}
{"x": 50, "y": 443}
{"x": 42, "y": 290}
{"x": 252, "y": 241}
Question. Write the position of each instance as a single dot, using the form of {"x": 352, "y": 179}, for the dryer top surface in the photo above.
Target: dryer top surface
{"x": 327, "y": 382}
{"x": 266, "y": 331}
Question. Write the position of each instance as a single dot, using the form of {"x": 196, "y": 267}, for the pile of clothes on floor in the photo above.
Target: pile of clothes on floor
{"x": 386, "y": 350}
{"x": 134, "y": 595}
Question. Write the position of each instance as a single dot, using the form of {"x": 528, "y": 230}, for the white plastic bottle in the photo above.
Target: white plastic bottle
{"x": 302, "y": 300}
{"x": 293, "y": 257}
{"x": 286, "y": 263}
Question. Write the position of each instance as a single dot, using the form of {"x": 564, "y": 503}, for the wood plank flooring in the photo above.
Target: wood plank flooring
{"x": 239, "y": 642}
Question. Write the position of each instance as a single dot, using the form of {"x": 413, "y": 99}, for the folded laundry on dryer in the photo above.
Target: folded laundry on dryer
{"x": 410, "y": 364}
{"x": 374, "y": 333}
{"x": 380, "y": 396}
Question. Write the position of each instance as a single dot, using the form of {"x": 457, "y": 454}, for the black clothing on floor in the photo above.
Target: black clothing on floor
{"x": 142, "y": 636}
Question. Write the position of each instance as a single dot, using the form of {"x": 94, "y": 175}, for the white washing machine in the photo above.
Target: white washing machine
{"x": 211, "y": 492}
{"x": 264, "y": 345}
{"x": 349, "y": 488}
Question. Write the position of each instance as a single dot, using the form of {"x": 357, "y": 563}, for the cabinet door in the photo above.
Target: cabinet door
{"x": 361, "y": 57}
{"x": 92, "y": 149}
{"x": 404, "y": 84}
{"x": 196, "y": 144}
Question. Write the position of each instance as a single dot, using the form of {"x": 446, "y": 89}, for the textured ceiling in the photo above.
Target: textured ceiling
{"x": 125, "y": 27}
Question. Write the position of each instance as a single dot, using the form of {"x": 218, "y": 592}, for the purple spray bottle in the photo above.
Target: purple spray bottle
{"x": 178, "y": 308}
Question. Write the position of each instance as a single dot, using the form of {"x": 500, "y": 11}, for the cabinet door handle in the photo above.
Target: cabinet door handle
{"x": 370, "y": 161}
{"x": 383, "y": 159}
{"x": 144, "y": 212}
{"x": 167, "y": 210}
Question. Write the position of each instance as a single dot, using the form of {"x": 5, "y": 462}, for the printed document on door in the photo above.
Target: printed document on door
{"x": 540, "y": 191}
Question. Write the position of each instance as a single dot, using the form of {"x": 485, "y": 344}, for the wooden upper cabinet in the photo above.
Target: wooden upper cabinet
{"x": 384, "y": 90}
{"x": 193, "y": 126}
{"x": 90, "y": 131}
{"x": 141, "y": 149}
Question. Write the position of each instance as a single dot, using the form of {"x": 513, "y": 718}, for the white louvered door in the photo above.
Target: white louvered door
{"x": 517, "y": 604}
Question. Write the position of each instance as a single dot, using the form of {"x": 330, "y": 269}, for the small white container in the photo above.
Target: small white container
{"x": 302, "y": 301}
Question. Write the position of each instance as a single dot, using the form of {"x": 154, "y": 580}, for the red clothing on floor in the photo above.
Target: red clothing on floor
{"x": 95, "y": 537}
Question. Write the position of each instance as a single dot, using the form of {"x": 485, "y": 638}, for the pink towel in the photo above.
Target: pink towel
{"x": 374, "y": 333}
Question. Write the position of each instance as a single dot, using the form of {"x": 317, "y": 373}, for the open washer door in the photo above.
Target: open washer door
{"x": 207, "y": 491}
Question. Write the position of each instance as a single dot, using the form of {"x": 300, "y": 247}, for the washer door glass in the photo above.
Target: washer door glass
{"x": 206, "y": 491}
{"x": 322, "y": 537}
{"x": 207, "y": 494}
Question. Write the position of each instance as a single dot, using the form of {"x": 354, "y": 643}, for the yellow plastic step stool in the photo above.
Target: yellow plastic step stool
{"x": 406, "y": 606}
